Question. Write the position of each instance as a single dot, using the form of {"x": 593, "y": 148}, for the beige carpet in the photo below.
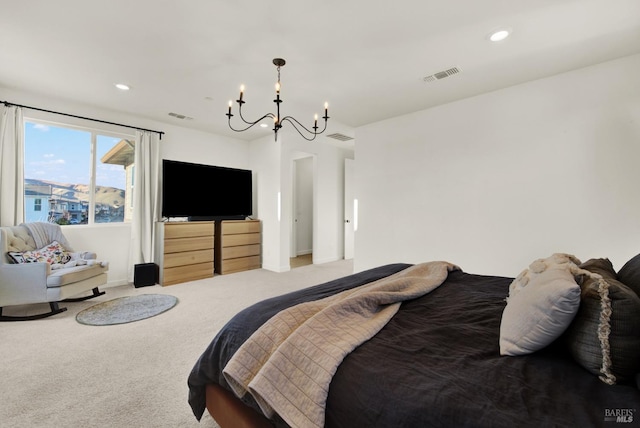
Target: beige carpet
{"x": 59, "y": 373}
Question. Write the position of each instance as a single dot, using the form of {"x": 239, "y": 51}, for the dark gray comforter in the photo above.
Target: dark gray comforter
{"x": 436, "y": 364}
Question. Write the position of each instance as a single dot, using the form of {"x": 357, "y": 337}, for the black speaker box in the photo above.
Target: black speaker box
{"x": 145, "y": 274}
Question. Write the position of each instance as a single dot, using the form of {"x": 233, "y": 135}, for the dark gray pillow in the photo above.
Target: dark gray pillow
{"x": 602, "y": 267}
{"x": 624, "y": 336}
{"x": 629, "y": 274}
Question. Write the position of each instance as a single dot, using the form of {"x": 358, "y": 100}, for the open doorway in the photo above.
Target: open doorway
{"x": 302, "y": 216}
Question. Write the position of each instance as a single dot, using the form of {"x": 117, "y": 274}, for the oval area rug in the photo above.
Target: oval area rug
{"x": 126, "y": 309}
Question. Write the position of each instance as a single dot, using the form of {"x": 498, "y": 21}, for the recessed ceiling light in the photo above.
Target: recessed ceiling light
{"x": 263, "y": 125}
{"x": 500, "y": 34}
{"x": 122, "y": 86}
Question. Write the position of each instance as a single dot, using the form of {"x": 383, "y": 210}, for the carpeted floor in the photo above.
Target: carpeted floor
{"x": 57, "y": 372}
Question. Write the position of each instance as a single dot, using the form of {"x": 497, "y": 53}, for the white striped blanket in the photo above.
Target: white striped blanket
{"x": 45, "y": 233}
{"x": 288, "y": 363}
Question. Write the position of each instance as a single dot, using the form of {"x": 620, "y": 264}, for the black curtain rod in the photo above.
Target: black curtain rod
{"x": 7, "y": 103}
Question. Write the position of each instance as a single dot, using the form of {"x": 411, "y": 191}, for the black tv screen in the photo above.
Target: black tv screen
{"x": 205, "y": 192}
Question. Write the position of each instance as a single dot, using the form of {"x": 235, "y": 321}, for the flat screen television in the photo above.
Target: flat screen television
{"x": 205, "y": 192}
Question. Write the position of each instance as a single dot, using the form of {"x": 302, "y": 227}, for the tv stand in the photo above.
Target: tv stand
{"x": 185, "y": 251}
{"x": 238, "y": 245}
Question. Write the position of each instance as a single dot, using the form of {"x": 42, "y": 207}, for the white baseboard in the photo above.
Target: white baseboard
{"x": 273, "y": 268}
{"x": 326, "y": 260}
{"x": 116, "y": 283}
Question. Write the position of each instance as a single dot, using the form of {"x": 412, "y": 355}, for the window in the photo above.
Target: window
{"x": 76, "y": 176}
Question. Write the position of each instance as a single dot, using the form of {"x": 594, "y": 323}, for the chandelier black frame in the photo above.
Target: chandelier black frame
{"x": 277, "y": 121}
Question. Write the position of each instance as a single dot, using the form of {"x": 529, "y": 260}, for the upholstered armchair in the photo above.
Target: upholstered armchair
{"x": 37, "y": 265}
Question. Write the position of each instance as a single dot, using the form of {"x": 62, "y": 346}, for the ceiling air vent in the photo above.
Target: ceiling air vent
{"x": 341, "y": 137}
{"x": 180, "y": 116}
{"x": 441, "y": 74}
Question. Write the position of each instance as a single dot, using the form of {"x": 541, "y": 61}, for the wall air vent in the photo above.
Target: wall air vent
{"x": 180, "y": 116}
{"x": 341, "y": 137}
{"x": 441, "y": 74}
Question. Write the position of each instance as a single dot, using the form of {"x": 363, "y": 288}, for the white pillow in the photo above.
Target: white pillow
{"x": 540, "y": 312}
{"x": 556, "y": 260}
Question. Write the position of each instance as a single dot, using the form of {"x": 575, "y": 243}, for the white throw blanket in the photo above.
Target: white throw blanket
{"x": 45, "y": 233}
{"x": 288, "y": 363}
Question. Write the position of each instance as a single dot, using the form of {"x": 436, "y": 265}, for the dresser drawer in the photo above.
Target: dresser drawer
{"x": 188, "y": 258}
{"x": 241, "y": 251}
{"x": 188, "y": 244}
{"x": 180, "y": 274}
{"x": 233, "y": 227}
{"x": 241, "y": 239}
{"x": 188, "y": 229}
{"x": 240, "y": 264}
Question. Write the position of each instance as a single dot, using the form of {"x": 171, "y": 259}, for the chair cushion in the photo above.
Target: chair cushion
{"x": 19, "y": 239}
{"x": 70, "y": 275}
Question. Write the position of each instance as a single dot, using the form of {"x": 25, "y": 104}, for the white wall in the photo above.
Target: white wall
{"x": 495, "y": 181}
{"x": 273, "y": 162}
{"x": 265, "y": 163}
{"x": 190, "y": 145}
{"x": 328, "y": 243}
{"x": 112, "y": 241}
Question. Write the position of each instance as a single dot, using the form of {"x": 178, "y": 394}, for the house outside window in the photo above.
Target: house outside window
{"x": 80, "y": 175}
{"x": 36, "y": 200}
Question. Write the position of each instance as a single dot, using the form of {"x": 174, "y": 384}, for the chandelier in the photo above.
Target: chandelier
{"x": 306, "y": 133}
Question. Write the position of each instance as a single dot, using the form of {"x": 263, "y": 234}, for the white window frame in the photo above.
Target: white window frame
{"x": 94, "y": 131}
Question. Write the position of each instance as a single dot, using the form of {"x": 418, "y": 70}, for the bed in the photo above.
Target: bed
{"x": 439, "y": 361}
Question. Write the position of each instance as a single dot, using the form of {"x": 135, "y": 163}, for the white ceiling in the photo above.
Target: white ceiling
{"x": 366, "y": 58}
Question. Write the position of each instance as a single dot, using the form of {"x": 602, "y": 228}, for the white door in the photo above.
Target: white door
{"x": 349, "y": 207}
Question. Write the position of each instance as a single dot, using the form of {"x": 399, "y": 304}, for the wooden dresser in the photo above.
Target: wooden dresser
{"x": 238, "y": 244}
{"x": 185, "y": 251}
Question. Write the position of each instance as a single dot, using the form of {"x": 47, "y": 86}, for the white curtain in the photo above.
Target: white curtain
{"x": 11, "y": 166}
{"x": 146, "y": 184}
